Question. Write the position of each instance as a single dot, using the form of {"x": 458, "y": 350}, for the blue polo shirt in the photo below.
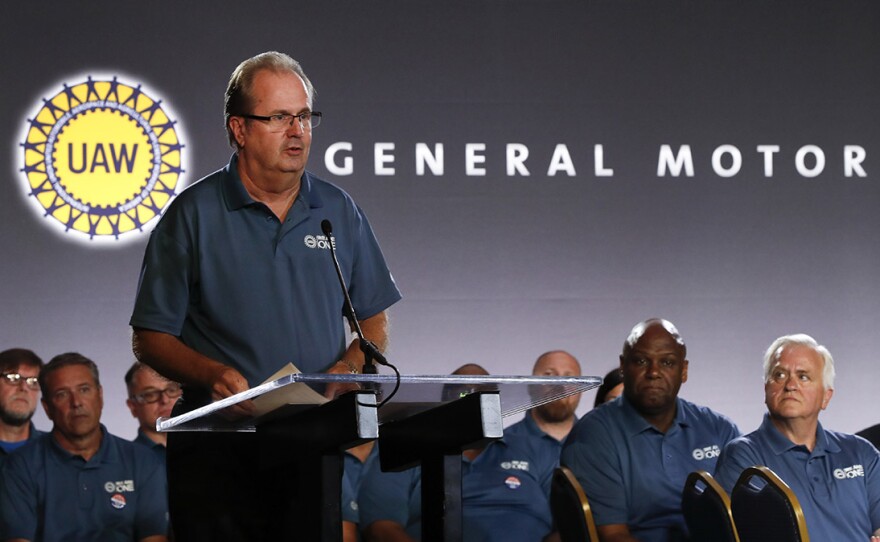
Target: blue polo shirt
{"x": 223, "y": 274}
{"x": 351, "y": 482}
{"x": 546, "y": 447}
{"x": 48, "y": 494}
{"x": 633, "y": 474}
{"x": 157, "y": 448}
{"x": 837, "y": 484}
{"x": 502, "y": 495}
{"x": 7, "y": 448}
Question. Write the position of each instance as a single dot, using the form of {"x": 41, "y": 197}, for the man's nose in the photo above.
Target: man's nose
{"x": 296, "y": 126}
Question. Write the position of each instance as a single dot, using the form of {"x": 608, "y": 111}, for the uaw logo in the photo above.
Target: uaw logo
{"x": 709, "y": 452}
{"x": 102, "y": 158}
{"x": 319, "y": 241}
{"x": 515, "y": 465}
{"x": 119, "y": 486}
{"x": 855, "y": 471}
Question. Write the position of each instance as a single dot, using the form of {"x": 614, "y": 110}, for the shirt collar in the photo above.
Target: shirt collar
{"x": 237, "y": 196}
{"x": 780, "y": 444}
{"x": 635, "y": 423}
{"x": 103, "y": 455}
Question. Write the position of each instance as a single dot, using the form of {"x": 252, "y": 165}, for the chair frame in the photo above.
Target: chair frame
{"x": 572, "y": 480}
{"x": 713, "y": 486}
{"x": 770, "y": 477}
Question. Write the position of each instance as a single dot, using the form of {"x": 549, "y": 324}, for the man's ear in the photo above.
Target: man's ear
{"x": 827, "y": 398}
{"x": 236, "y": 125}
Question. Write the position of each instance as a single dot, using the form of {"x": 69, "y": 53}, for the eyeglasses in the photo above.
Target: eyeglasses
{"x": 14, "y": 379}
{"x": 283, "y": 121}
{"x": 172, "y": 392}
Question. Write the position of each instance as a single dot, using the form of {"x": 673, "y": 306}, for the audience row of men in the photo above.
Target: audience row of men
{"x": 632, "y": 456}
{"x": 631, "y": 453}
{"x": 79, "y": 482}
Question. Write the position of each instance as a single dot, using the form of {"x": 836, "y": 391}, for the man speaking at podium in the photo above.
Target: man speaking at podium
{"x": 238, "y": 280}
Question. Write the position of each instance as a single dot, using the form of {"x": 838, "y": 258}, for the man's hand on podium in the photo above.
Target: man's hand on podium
{"x": 227, "y": 382}
{"x": 341, "y": 367}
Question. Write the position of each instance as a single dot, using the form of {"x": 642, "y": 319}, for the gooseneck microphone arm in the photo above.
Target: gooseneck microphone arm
{"x": 371, "y": 351}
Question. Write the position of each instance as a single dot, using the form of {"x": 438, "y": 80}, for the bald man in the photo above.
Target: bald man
{"x": 548, "y": 425}
{"x": 633, "y": 455}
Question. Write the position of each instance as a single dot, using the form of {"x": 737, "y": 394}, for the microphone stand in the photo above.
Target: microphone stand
{"x": 370, "y": 350}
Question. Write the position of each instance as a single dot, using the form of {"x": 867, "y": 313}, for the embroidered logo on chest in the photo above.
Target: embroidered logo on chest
{"x": 855, "y": 471}
{"x": 709, "y": 452}
{"x": 120, "y": 486}
{"x": 515, "y": 465}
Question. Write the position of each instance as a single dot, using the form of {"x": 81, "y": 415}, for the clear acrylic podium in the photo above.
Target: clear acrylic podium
{"x": 428, "y": 422}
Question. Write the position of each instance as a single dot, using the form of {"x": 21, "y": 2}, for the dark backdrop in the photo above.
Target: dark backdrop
{"x": 497, "y": 268}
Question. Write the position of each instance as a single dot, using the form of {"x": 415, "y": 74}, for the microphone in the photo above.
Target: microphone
{"x": 371, "y": 352}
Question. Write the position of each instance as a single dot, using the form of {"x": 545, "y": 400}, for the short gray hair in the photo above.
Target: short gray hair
{"x": 238, "y": 92}
{"x": 771, "y": 356}
{"x": 67, "y": 360}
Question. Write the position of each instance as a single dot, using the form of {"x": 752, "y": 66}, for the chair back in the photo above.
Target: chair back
{"x": 706, "y": 509}
{"x": 765, "y": 508}
{"x": 570, "y": 508}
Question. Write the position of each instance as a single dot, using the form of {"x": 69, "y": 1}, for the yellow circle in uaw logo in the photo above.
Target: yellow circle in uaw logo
{"x": 102, "y": 158}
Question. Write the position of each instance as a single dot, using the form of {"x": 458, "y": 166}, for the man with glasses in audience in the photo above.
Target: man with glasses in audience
{"x": 150, "y": 397}
{"x": 80, "y": 482}
{"x": 18, "y": 398}
{"x": 238, "y": 280}
{"x": 835, "y": 476}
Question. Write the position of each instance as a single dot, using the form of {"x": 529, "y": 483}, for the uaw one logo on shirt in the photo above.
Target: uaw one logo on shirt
{"x": 319, "y": 241}
{"x": 708, "y": 452}
{"x": 855, "y": 471}
{"x": 101, "y": 158}
{"x": 119, "y": 486}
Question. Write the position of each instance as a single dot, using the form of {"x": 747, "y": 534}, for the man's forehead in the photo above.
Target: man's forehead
{"x": 147, "y": 377}
{"x": 557, "y": 360}
{"x": 799, "y": 357}
{"x": 70, "y": 376}
{"x": 655, "y": 338}
{"x": 23, "y": 369}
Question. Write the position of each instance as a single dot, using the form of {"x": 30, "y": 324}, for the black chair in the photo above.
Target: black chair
{"x": 706, "y": 509}
{"x": 765, "y": 508}
{"x": 570, "y": 508}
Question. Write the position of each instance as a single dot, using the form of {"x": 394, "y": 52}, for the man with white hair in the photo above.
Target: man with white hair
{"x": 835, "y": 476}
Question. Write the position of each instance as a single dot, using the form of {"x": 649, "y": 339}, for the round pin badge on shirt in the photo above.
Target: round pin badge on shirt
{"x": 512, "y": 482}
{"x": 118, "y": 501}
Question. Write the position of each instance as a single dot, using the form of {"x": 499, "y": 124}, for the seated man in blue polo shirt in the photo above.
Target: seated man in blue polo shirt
{"x": 79, "y": 482}
{"x": 150, "y": 396}
{"x": 547, "y": 425}
{"x": 502, "y": 487}
{"x": 19, "y": 393}
{"x": 835, "y": 476}
{"x": 633, "y": 454}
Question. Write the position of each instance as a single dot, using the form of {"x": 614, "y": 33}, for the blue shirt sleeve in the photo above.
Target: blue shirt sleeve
{"x": 163, "y": 293}
{"x": 591, "y": 455}
{"x": 736, "y": 456}
{"x": 152, "y": 511}
{"x": 371, "y": 287}
{"x": 872, "y": 475}
{"x": 18, "y": 500}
